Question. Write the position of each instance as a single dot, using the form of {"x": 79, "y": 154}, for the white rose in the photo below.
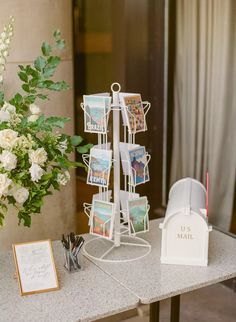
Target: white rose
{"x": 4, "y": 184}
{"x": 8, "y": 138}
{"x": 8, "y": 160}
{"x": 38, "y": 156}
{"x": 63, "y": 178}
{"x": 32, "y": 118}
{"x": 36, "y": 172}
{"x": 4, "y": 116}
{"x": 34, "y": 109}
{"x": 1, "y": 78}
{"x": 7, "y": 107}
{"x": 21, "y": 195}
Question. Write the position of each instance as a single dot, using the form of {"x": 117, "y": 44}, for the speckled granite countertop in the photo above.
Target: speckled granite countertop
{"x": 152, "y": 281}
{"x": 102, "y": 289}
{"x": 86, "y": 295}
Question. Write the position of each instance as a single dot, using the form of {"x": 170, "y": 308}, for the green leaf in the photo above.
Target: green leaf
{"x": 53, "y": 61}
{"x": 40, "y": 63}
{"x": 30, "y": 99}
{"x": 85, "y": 148}
{"x": 46, "y": 49}
{"x": 1, "y": 98}
{"x": 60, "y": 43}
{"x": 42, "y": 96}
{"x": 25, "y": 217}
{"x": 58, "y": 86}
{"x": 57, "y": 34}
{"x": 45, "y": 84}
{"x": 48, "y": 72}
{"x": 46, "y": 177}
{"x": 76, "y": 140}
{"x": 1, "y": 219}
{"x": 57, "y": 121}
{"x": 23, "y": 76}
{"x": 26, "y": 88}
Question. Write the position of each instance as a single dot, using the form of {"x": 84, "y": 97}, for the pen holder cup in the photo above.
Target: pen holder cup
{"x": 71, "y": 261}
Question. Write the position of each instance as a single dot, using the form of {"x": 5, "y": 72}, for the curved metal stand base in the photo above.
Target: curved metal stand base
{"x": 130, "y": 249}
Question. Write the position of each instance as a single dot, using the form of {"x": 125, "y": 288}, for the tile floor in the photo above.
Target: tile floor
{"x": 216, "y": 303}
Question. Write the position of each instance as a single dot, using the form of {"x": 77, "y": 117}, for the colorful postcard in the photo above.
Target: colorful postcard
{"x": 99, "y": 167}
{"x": 139, "y": 167}
{"x": 138, "y": 215}
{"x": 134, "y": 113}
{"x": 95, "y": 109}
{"x": 124, "y": 197}
{"x": 124, "y": 154}
{"x": 103, "y": 214}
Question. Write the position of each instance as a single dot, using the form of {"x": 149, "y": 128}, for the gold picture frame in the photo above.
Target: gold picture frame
{"x": 31, "y": 267}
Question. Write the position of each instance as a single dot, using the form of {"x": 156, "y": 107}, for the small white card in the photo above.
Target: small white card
{"x": 35, "y": 267}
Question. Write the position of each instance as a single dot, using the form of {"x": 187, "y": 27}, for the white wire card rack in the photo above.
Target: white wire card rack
{"x": 115, "y": 238}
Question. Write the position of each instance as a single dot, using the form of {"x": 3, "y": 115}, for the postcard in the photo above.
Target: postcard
{"x": 95, "y": 113}
{"x": 103, "y": 214}
{"x": 138, "y": 163}
{"x": 99, "y": 167}
{"x": 121, "y": 98}
{"x": 138, "y": 215}
{"x": 124, "y": 155}
{"x": 124, "y": 197}
{"x": 134, "y": 113}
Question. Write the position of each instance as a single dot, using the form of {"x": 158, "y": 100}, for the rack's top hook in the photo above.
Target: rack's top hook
{"x": 113, "y": 87}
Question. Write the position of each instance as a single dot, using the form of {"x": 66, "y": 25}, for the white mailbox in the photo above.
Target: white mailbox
{"x": 185, "y": 230}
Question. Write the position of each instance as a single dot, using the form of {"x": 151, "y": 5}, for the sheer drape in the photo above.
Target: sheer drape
{"x": 204, "y": 120}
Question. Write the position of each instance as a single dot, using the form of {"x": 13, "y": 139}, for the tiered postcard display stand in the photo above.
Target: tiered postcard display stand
{"x": 119, "y": 224}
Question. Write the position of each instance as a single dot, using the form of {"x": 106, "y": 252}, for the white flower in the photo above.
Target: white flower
{"x": 34, "y": 109}
{"x": 8, "y": 160}
{"x": 63, "y": 178}
{"x": 1, "y": 78}
{"x": 8, "y": 138}
{"x": 4, "y": 116}
{"x": 33, "y": 118}
{"x": 38, "y": 156}
{"x": 24, "y": 142}
{"x": 4, "y": 184}
{"x": 3, "y": 35}
{"x": 36, "y": 172}
{"x": 21, "y": 195}
{"x": 62, "y": 146}
{"x": 7, "y": 107}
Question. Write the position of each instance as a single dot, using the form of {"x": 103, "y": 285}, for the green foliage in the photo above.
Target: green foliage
{"x": 36, "y": 132}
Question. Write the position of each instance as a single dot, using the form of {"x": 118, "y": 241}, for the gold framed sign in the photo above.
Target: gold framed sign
{"x": 35, "y": 267}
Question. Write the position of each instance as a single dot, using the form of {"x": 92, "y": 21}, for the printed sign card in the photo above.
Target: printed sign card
{"x": 95, "y": 113}
{"x": 35, "y": 267}
{"x": 99, "y": 167}
{"x": 103, "y": 214}
{"x": 138, "y": 215}
{"x": 138, "y": 163}
{"x": 134, "y": 113}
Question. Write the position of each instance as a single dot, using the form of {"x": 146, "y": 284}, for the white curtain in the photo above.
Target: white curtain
{"x": 204, "y": 120}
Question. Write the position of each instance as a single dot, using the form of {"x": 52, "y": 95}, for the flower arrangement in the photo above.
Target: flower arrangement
{"x": 34, "y": 156}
